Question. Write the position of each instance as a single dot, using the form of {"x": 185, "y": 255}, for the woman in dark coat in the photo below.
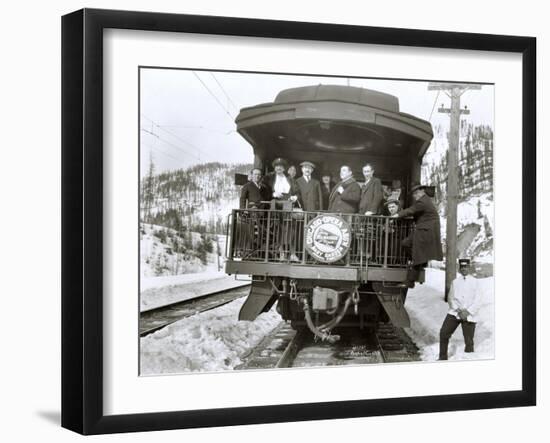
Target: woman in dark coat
{"x": 425, "y": 240}
{"x": 326, "y": 188}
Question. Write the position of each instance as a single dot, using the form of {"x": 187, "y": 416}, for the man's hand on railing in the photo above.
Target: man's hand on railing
{"x": 293, "y": 198}
{"x": 369, "y": 213}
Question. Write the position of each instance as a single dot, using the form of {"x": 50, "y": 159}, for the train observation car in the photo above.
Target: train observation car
{"x": 328, "y": 269}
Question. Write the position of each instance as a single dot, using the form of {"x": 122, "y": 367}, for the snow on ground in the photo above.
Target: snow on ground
{"x": 210, "y": 341}
{"x": 171, "y": 280}
{"x": 216, "y": 341}
{"x": 427, "y": 310}
{"x": 160, "y": 291}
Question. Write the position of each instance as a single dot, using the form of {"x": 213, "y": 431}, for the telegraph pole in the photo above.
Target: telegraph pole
{"x": 454, "y": 91}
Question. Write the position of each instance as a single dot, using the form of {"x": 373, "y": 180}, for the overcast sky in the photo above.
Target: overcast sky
{"x": 188, "y": 117}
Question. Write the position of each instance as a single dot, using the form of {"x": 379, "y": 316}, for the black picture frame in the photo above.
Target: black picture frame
{"x": 82, "y": 218}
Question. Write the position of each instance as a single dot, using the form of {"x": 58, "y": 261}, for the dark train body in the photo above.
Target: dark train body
{"x": 351, "y": 268}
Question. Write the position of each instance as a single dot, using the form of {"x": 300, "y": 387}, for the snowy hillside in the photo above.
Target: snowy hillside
{"x": 165, "y": 251}
{"x": 475, "y": 213}
{"x": 198, "y": 198}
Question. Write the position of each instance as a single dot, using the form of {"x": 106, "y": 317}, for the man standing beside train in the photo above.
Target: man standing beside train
{"x": 464, "y": 303}
{"x": 371, "y": 194}
{"x": 425, "y": 241}
{"x": 311, "y": 197}
{"x": 346, "y": 195}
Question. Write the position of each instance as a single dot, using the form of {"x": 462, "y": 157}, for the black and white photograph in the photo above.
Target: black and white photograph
{"x": 292, "y": 221}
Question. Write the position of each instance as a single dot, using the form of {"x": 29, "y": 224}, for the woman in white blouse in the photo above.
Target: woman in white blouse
{"x": 283, "y": 188}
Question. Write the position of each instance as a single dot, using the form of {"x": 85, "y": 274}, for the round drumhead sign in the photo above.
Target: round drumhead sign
{"x": 328, "y": 238}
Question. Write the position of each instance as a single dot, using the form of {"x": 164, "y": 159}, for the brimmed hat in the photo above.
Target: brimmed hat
{"x": 391, "y": 200}
{"x": 463, "y": 262}
{"x": 326, "y": 174}
{"x": 279, "y": 161}
{"x": 307, "y": 163}
{"x": 416, "y": 186}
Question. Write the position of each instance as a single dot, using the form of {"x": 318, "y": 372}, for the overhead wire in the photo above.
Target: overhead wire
{"x": 214, "y": 96}
{"x": 176, "y": 137}
{"x": 224, "y": 91}
{"x": 433, "y": 107}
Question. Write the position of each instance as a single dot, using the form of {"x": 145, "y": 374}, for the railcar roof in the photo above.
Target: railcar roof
{"x": 333, "y": 118}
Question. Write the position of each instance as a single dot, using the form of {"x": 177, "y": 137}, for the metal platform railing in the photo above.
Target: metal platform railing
{"x": 273, "y": 236}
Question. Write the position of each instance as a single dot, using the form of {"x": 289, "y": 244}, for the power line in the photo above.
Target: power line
{"x": 215, "y": 97}
{"x": 433, "y": 107}
{"x": 224, "y": 92}
{"x": 153, "y": 148}
{"x": 170, "y": 144}
{"x": 175, "y": 136}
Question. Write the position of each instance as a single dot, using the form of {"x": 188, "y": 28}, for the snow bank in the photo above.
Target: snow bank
{"x": 173, "y": 288}
{"x": 211, "y": 341}
{"x": 427, "y": 310}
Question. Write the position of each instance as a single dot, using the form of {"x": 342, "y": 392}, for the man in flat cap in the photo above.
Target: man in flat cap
{"x": 464, "y": 303}
{"x": 311, "y": 198}
{"x": 346, "y": 194}
{"x": 425, "y": 241}
{"x": 371, "y": 193}
{"x": 392, "y": 206}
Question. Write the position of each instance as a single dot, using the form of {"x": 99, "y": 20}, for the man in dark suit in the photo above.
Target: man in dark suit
{"x": 311, "y": 198}
{"x": 346, "y": 195}
{"x": 254, "y": 192}
{"x": 371, "y": 193}
{"x": 425, "y": 240}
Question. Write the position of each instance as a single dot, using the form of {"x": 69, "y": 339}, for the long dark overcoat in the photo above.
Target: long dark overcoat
{"x": 371, "y": 197}
{"x": 348, "y": 201}
{"x": 311, "y": 197}
{"x": 325, "y": 192}
{"x": 426, "y": 238}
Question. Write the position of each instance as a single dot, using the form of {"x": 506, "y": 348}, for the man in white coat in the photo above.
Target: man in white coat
{"x": 464, "y": 303}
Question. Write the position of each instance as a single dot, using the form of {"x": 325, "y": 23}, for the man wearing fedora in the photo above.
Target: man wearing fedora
{"x": 311, "y": 198}
{"x": 371, "y": 194}
{"x": 346, "y": 195}
{"x": 425, "y": 241}
{"x": 464, "y": 303}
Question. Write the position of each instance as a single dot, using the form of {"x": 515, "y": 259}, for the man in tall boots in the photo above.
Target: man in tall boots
{"x": 425, "y": 241}
{"x": 464, "y": 303}
{"x": 311, "y": 198}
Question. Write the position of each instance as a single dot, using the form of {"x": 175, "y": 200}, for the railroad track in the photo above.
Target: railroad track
{"x": 158, "y": 318}
{"x": 285, "y": 348}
